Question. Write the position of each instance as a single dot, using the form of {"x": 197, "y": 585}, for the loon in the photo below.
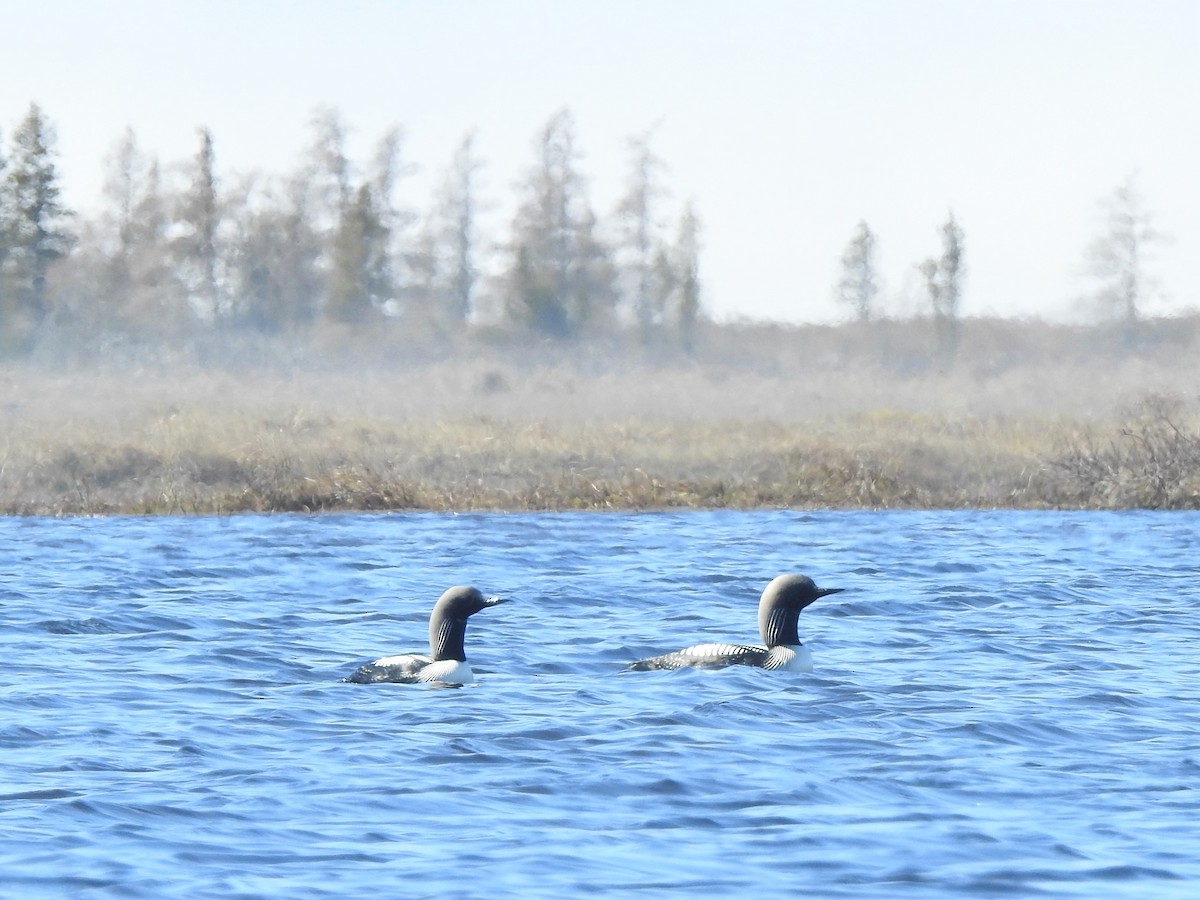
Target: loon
{"x": 446, "y": 662}
{"x": 778, "y": 610}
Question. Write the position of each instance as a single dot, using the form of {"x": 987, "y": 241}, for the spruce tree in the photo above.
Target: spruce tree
{"x": 560, "y": 278}
{"x": 362, "y": 278}
{"x": 35, "y": 224}
{"x": 278, "y": 284}
{"x": 200, "y": 213}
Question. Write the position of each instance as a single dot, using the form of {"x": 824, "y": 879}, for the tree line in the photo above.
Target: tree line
{"x": 187, "y": 249}
{"x": 858, "y": 286}
{"x": 1116, "y": 262}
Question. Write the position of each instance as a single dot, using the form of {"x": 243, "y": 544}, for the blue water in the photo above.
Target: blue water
{"x": 1004, "y": 704}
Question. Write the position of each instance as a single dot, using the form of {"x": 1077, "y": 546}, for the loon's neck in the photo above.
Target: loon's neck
{"x": 446, "y": 635}
{"x": 778, "y": 627}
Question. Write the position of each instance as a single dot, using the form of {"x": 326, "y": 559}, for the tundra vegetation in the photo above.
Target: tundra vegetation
{"x": 217, "y": 343}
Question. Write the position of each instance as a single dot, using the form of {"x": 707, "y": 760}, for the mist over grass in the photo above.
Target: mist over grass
{"x": 1025, "y": 415}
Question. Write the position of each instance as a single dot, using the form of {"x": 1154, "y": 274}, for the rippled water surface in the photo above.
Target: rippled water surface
{"x": 1003, "y": 704}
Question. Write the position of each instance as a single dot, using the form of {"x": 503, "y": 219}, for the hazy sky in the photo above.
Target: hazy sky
{"x": 786, "y": 121}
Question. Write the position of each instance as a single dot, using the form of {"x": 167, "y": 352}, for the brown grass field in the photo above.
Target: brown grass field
{"x": 1026, "y": 416}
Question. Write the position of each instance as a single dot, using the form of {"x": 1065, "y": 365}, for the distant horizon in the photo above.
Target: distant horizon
{"x": 785, "y": 123}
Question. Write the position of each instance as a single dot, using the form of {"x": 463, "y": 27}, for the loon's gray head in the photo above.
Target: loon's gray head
{"x": 780, "y": 605}
{"x": 448, "y": 621}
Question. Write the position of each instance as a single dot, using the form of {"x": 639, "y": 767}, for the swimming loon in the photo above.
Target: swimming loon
{"x": 778, "y": 611}
{"x": 446, "y": 662}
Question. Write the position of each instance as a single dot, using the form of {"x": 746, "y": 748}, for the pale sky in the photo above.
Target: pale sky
{"x": 785, "y": 121}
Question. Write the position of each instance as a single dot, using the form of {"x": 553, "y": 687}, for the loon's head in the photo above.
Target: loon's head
{"x": 780, "y": 605}
{"x": 448, "y": 621}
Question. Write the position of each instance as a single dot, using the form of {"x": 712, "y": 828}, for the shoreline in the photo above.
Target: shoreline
{"x": 778, "y": 418}
{"x": 200, "y": 463}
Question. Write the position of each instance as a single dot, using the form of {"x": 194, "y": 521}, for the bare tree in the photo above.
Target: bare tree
{"x": 642, "y": 249}
{"x": 140, "y": 287}
{"x": 384, "y": 174}
{"x": 858, "y": 285}
{"x": 327, "y": 172}
{"x": 6, "y": 241}
{"x": 447, "y": 262}
{"x": 120, "y": 190}
{"x": 943, "y": 281}
{"x": 687, "y": 274}
{"x": 1117, "y": 257}
{"x": 279, "y": 282}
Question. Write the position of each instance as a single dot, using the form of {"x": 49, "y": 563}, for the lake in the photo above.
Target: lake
{"x": 1003, "y": 704}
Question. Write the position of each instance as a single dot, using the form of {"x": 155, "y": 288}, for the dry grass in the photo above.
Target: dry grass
{"x": 776, "y": 418}
{"x": 193, "y": 462}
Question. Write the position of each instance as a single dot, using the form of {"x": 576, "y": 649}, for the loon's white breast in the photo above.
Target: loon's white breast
{"x": 447, "y": 671}
{"x": 789, "y": 658}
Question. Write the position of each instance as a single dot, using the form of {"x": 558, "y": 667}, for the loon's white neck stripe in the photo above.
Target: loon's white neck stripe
{"x": 779, "y": 626}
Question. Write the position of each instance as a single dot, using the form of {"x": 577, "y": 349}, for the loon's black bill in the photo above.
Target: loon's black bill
{"x": 494, "y": 601}
{"x": 825, "y": 592}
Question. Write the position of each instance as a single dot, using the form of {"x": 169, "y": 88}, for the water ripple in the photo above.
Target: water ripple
{"x": 1003, "y": 705}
